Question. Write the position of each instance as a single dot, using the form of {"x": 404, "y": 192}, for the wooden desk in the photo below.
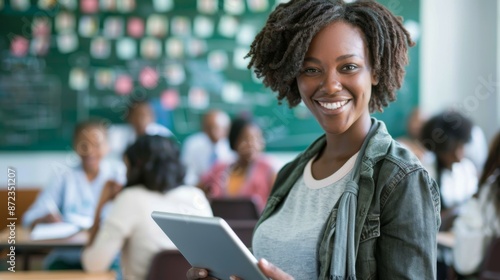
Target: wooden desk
{"x": 56, "y": 275}
{"x": 26, "y": 247}
{"x": 24, "y": 242}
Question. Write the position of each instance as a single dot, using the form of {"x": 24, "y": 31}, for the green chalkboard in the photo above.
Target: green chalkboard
{"x": 64, "y": 61}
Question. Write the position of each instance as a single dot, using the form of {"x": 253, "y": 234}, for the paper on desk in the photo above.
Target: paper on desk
{"x": 53, "y": 231}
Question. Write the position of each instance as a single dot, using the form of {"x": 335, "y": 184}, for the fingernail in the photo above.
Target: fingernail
{"x": 202, "y": 273}
{"x": 264, "y": 262}
{"x": 232, "y": 277}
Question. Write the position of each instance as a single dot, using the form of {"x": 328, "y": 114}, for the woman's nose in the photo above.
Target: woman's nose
{"x": 332, "y": 84}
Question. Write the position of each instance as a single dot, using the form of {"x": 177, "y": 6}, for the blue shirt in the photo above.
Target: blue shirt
{"x": 74, "y": 195}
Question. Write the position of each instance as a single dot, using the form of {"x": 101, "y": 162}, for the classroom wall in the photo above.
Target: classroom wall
{"x": 459, "y": 59}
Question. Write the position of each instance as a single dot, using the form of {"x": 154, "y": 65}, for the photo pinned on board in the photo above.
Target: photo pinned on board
{"x": 228, "y": 26}
{"x": 65, "y": 21}
{"x": 163, "y": 5}
{"x": 88, "y": 26}
{"x": 198, "y": 98}
{"x": 150, "y": 48}
{"x": 170, "y": 99}
{"x": 104, "y": 78}
{"x": 124, "y": 84}
{"x": 67, "y": 42}
{"x": 100, "y": 48}
{"x": 203, "y": 26}
{"x": 207, "y": 6}
{"x": 113, "y": 27}
{"x": 126, "y": 48}
{"x": 78, "y": 79}
{"x": 174, "y": 74}
{"x": 157, "y": 26}
{"x": 135, "y": 27}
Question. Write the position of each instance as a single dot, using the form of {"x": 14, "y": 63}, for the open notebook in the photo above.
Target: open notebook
{"x": 53, "y": 231}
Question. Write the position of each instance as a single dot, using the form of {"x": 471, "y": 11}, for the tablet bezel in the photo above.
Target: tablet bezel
{"x": 209, "y": 242}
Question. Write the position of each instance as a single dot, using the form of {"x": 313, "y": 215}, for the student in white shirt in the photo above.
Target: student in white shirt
{"x": 446, "y": 135}
{"x": 154, "y": 183}
{"x": 479, "y": 221}
{"x": 73, "y": 195}
{"x": 201, "y": 150}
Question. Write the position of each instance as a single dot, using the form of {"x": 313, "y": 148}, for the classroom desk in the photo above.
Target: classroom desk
{"x": 25, "y": 246}
{"x": 56, "y": 275}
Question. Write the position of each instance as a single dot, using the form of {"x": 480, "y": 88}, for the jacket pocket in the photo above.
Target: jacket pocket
{"x": 371, "y": 228}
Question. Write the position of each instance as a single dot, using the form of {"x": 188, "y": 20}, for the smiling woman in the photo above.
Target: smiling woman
{"x": 355, "y": 204}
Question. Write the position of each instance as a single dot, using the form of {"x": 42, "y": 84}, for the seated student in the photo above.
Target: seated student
{"x": 73, "y": 195}
{"x": 201, "y": 150}
{"x": 412, "y": 139}
{"x": 142, "y": 119}
{"x": 154, "y": 183}
{"x": 479, "y": 221}
{"x": 446, "y": 136}
{"x": 251, "y": 174}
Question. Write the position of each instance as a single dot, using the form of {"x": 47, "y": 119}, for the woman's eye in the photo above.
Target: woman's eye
{"x": 350, "y": 67}
{"x": 310, "y": 70}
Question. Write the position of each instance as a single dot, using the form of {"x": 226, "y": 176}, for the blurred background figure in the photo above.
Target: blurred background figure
{"x": 155, "y": 177}
{"x": 142, "y": 119}
{"x": 74, "y": 194}
{"x": 412, "y": 139}
{"x": 478, "y": 224}
{"x": 251, "y": 174}
{"x": 201, "y": 150}
{"x": 446, "y": 135}
{"x": 477, "y": 149}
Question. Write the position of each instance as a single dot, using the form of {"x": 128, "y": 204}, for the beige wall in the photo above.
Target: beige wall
{"x": 459, "y": 59}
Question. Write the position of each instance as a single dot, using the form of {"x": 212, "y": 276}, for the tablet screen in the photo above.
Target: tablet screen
{"x": 209, "y": 242}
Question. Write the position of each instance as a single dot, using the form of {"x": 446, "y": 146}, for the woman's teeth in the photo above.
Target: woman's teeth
{"x": 333, "y": 105}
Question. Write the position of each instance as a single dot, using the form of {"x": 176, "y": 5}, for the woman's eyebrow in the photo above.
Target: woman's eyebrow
{"x": 342, "y": 57}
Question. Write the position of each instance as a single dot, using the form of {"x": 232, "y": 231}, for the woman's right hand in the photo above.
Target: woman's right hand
{"x": 267, "y": 268}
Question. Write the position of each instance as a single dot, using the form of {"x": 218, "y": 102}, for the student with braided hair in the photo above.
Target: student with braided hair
{"x": 355, "y": 204}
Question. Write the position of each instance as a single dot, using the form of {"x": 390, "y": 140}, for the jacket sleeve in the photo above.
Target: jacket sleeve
{"x": 409, "y": 222}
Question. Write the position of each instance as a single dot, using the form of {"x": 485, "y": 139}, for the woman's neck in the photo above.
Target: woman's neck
{"x": 343, "y": 146}
{"x": 90, "y": 173}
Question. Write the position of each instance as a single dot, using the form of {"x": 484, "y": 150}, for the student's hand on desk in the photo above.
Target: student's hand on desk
{"x": 267, "y": 268}
{"x": 47, "y": 219}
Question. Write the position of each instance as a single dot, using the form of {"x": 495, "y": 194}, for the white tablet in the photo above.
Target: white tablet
{"x": 210, "y": 243}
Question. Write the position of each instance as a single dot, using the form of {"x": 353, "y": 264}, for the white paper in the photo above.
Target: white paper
{"x": 53, "y": 231}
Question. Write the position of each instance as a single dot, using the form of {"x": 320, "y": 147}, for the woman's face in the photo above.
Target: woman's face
{"x": 250, "y": 143}
{"x": 335, "y": 80}
{"x": 455, "y": 154}
{"x": 91, "y": 145}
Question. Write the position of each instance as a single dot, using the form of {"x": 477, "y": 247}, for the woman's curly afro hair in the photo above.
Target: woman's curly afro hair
{"x": 278, "y": 50}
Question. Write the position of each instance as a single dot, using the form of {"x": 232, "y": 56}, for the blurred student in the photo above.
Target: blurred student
{"x": 154, "y": 183}
{"x": 412, "y": 139}
{"x": 479, "y": 222}
{"x": 201, "y": 150}
{"x": 446, "y": 135}
{"x": 251, "y": 174}
{"x": 73, "y": 195}
{"x": 477, "y": 149}
{"x": 142, "y": 119}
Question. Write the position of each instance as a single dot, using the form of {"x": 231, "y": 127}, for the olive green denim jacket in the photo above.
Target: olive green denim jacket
{"x": 397, "y": 216}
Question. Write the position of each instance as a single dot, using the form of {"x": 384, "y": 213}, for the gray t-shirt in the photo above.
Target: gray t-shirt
{"x": 289, "y": 238}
